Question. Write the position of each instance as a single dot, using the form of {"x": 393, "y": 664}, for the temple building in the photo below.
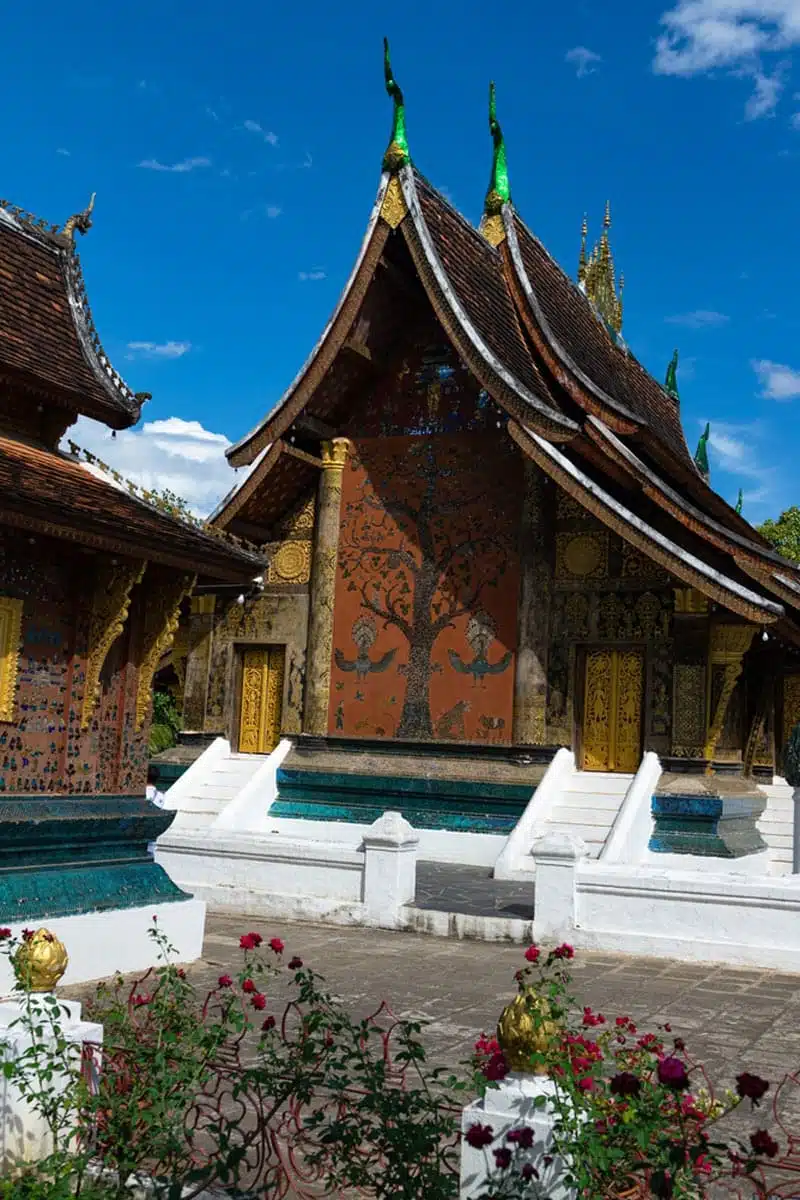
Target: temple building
{"x": 486, "y": 538}
{"x": 92, "y": 579}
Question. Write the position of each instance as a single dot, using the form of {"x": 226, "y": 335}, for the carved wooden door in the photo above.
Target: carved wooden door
{"x": 262, "y": 699}
{"x": 612, "y": 712}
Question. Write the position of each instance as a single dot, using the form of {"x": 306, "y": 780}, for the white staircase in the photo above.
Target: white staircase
{"x": 588, "y": 806}
{"x": 210, "y": 784}
{"x": 776, "y": 825}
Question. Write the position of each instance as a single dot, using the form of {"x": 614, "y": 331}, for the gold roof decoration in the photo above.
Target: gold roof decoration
{"x": 527, "y": 1027}
{"x": 597, "y": 277}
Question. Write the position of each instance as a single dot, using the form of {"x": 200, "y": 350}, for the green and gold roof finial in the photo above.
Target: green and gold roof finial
{"x": 597, "y": 276}
{"x": 701, "y": 454}
{"x": 498, "y": 192}
{"x": 582, "y": 260}
{"x": 671, "y": 382}
{"x": 740, "y": 502}
{"x": 397, "y": 153}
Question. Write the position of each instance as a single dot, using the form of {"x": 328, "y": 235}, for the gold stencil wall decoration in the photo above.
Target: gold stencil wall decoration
{"x": 162, "y": 615}
{"x": 111, "y": 598}
{"x": 689, "y": 710}
{"x": 791, "y": 705}
{"x": 728, "y": 645}
{"x": 290, "y": 563}
{"x": 394, "y": 206}
{"x": 581, "y": 556}
{"x": 568, "y": 507}
{"x": 10, "y": 633}
{"x": 690, "y": 601}
{"x": 262, "y": 699}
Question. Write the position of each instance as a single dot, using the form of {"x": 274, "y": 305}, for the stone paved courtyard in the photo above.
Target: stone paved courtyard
{"x": 731, "y": 1019}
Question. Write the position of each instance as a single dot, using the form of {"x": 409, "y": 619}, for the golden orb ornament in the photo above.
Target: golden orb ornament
{"x": 40, "y": 962}
{"x": 526, "y": 1028}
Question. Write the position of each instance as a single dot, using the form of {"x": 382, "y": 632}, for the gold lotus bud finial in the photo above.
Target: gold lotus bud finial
{"x": 40, "y": 962}
{"x": 526, "y": 1028}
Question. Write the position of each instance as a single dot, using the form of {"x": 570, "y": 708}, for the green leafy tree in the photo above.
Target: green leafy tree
{"x": 784, "y": 533}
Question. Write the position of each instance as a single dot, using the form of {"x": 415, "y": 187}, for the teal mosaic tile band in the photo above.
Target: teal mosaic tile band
{"x": 426, "y": 803}
{"x": 721, "y": 827}
{"x": 62, "y": 855}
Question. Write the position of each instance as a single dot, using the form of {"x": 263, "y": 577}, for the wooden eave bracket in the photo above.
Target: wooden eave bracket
{"x": 111, "y": 598}
{"x": 162, "y": 615}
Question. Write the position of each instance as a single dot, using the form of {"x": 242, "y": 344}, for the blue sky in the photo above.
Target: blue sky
{"x": 236, "y": 153}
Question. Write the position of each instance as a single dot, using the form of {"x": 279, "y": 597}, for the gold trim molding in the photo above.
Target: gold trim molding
{"x": 162, "y": 615}
{"x": 110, "y": 606}
{"x": 394, "y": 207}
{"x": 334, "y": 454}
{"x": 10, "y": 633}
{"x": 690, "y": 601}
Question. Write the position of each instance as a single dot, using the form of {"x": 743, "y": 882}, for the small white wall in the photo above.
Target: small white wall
{"x": 435, "y": 845}
{"x": 630, "y": 834}
{"x": 514, "y": 860}
{"x": 248, "y": 811}
{"x": 100, "y": 943}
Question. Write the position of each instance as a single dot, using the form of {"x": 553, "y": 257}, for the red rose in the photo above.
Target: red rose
{"x": 479, "y": 1136}
{"x": 259, "y": 1001}
{"x": 564, "y": 951}
{"x": 532, "y": 954}
{"x": 502, "y": 1157}
{"x": 751, "y": 1087}
{"x": 295, "y": 964}
{"x": 141, "y": 999}
{"x": 247, "y": 941}
{"x": 762, "y": 1143}
{"x": 625, "y": 1084}
{"x": 225, "y": 981}
{"x": 522, "y": 1137}
{"x": 586, "y": 1084}
{"x": 529, "y": 1172}
{"x": 248, "y": 986}
{"x": 621, "y": 1022}
{"x": 269, "y": 1023}
{"x": 5, "y": 932}
{"x": 27, "y": 934}
{"x": 495, "y": 1068}
{"x": 277, "y": 945}
{"x": 672, "y": 1073}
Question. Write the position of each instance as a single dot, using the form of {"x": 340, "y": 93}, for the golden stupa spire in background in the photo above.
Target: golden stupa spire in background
{"x": 597, "y": 277}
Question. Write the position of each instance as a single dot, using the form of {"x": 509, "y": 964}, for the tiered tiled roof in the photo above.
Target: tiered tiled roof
{"x": 48, "y": 342}
{"x": 576, "y": 399}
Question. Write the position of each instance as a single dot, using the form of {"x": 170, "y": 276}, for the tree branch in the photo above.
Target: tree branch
{"x": 389, "y": 616}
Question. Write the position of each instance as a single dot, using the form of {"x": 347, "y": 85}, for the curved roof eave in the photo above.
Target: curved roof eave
{"x": 243, "y": 451}
{"x": 495, "y": 365}
{"x": 734, "y": 596}
{"x": 661, "y": 490}
{"x": 235, "y": 491}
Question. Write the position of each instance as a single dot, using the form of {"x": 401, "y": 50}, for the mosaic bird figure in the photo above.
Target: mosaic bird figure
{"x": 480, "y": 633}
{"x": 364, "y": 634}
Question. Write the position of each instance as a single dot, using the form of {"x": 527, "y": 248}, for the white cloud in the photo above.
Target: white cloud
{"x": 701, "y": 318}
{"x": 61, "y": 150}
{"x": 268, "y": 210}
{"x": 739, "y": 451}
{"x": 273, "y": 211}
{"x": 310, "y": 276}
{"x": 181, "y": 456}
{"x": 186, "y": 164}
{"x": 778, "y": 381}
{"x": 158, "y": 349}
{"x": 582, "y": 58}
{"x": 735, "y": 35}
{"x": 266, "y": 134}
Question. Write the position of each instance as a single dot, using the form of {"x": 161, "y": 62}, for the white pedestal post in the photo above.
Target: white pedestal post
{"x": 513, "y": 1106}
{"x": 556, "y": 856}
{"x": 390, "y": 869}
{"x": 24, "y": 1133}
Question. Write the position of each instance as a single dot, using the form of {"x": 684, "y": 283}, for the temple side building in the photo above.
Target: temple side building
{"x": 486, "y": 538}
{"x": 93, "y": 576}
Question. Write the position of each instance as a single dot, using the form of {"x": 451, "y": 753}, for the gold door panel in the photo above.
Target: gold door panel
{"x": 262, "y": 698}
{"x": 612, "y": 713}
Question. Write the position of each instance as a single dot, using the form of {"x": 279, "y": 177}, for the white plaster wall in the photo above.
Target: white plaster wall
{"x": 435, "y": 845}
{"x": 100, "y": 943}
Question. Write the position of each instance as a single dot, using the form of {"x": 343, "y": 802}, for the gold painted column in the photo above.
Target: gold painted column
{"x": 533, "y": 618}
{"x": 323, "y": 586}
{"x": 198, "y": 662}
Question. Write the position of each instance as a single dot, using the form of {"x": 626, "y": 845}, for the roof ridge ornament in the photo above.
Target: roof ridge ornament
{"x": 80, "y": 222}
{"x": 739, "y": 502}
{"x": 701, "y": 454}
{"x": 671, "y": 381}
{"x": 397, "y": 152}
{"x": 597, "y": 277}
{"x": 498, "y": 192}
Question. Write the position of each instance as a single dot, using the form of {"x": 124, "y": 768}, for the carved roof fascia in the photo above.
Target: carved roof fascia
{"x": 227, "y": 509}
{"x": 583, "y": 390}
{"x": 491, "y": 371}
{"x": 780, "y": 585}
{"x": 671, "y": 501}
{"x": 89, "y": 339}
{"x": 661, "y": 549}
{"x": 330, "y": 342}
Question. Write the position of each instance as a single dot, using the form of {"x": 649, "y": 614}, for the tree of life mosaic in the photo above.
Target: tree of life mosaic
{"x": 426, "y": 593}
